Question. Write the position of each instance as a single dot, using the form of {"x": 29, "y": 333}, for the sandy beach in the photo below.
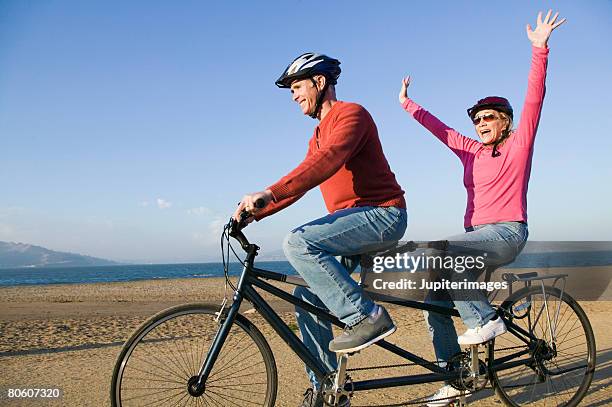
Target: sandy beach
{"x": 69, "y": 336}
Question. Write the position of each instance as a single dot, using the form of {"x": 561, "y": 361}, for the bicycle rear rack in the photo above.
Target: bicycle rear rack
{"x": 527, "y": 279}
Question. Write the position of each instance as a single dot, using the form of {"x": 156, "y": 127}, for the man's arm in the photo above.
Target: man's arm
{"x": 347, "y": 136}
{"x": 274, "y": 207}
{"x": 248, "y": 203}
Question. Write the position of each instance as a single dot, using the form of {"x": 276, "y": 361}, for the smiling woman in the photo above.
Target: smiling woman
{"x": 490, "y": 125}
{"x": 492, "y": 117}
{"x": 496, "y": 175}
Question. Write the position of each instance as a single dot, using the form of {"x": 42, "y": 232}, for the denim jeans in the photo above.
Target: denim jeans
{"x": 324, "y": 252}
{"x": 507, "y": 239}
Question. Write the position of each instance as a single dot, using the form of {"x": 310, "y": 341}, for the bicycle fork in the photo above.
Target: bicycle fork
{"x": 197, "y": 384}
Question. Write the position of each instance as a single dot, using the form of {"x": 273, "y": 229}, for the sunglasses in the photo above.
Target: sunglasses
{"x": 487, "y": 118}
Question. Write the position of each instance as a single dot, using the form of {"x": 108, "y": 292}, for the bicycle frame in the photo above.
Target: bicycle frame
{"x": 253, "y": 277}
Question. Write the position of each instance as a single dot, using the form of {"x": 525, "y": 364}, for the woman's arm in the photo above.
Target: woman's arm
{"x": 536, "y": 88}
{"x": 460, "y": 145}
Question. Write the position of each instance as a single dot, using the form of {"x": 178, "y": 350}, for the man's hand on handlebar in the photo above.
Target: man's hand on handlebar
{"x": 252, "y": 203}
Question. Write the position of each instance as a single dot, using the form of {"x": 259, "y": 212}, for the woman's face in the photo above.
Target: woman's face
{"x": 489, "y": 125}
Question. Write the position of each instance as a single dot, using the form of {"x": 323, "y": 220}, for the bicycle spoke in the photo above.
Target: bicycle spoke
{"x": 178, "y": 402}
{"x": 230, "y": 375}
{"x": 163, "y": 400}
{"x": 175, "y": 368}
{"x": 174, "y": 373}
{"x": 237, "y": 388}
{"x": 190, "y": 358}
{"x": 182, "y": 357}
{"x": 236, "y": 361}
{"x": 153, "y": 380}
{"x": 149, "y": 388}
{"x": 224, "y": 398}
{"x": 210, "y": 394}
{"x": 229, "y": 350}
{"x": 161, "y": 351}
{"x": 146, "y": 395}
{"x": 156, "y": 391}
{"x": 236, "y": 377}
{"x": 562, "y": 318}
{"x": 237, "y": 398}
{"x": 564, "y": 351}
{"x": 565, "y": 336}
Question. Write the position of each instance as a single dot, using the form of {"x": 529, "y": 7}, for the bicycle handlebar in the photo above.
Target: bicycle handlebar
{"x": 235, "y": 227}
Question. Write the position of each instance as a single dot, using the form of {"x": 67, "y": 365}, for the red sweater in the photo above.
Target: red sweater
{"x": 346, "y": 159}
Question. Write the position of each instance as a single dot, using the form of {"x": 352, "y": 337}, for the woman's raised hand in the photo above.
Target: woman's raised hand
{"x": 539, "y": 36}
{"x": 403, "y": 95}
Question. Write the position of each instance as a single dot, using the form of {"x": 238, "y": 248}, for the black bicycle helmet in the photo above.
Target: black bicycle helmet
{"x": 491, "y": 102}
{"x": 495, "y": 103}
{"x": 308, "y": 65}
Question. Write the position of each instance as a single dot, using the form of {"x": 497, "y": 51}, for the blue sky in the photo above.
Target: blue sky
{"x": 130, "y": 130}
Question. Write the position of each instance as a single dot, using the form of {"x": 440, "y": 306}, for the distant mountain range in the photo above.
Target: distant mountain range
{"x": 17, "y": 255}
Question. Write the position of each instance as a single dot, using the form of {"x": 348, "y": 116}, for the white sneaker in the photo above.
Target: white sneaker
{"x": 444, "y": 396}
{"x": 482, "y": 334}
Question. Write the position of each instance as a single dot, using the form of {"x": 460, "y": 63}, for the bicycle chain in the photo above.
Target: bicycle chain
{"x": 405, "y": 403}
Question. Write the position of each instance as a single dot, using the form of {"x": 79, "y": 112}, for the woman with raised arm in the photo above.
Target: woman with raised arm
{"x": 496, "y": 173}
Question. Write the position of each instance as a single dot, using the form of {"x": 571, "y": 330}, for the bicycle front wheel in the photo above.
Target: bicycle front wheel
{"x": 559, "y": 363}
{"x": 157, "y": 362}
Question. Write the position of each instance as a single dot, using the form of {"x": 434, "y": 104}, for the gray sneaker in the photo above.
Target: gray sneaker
{"x": 365, "y": 333}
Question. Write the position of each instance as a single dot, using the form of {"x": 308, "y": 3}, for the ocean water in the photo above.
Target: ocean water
{"x": 586, "y": 257}
{"x": 106, "y": 274}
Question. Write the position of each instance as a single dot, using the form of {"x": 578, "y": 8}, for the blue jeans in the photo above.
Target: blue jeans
{"x": 324, "y": 252}
{"x": 507, "y": 240}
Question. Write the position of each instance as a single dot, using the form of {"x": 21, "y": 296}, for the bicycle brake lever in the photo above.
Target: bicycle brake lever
{"x": 220, "y": 312}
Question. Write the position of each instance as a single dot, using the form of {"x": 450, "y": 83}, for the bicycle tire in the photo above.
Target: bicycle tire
{"x": 156, "y": 363}
{"x": 551, "y": 376}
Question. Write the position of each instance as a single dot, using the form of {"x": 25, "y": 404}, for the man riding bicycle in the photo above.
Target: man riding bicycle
{"x": 367, "y": 212}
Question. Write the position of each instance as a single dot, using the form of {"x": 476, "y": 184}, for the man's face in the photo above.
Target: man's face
{"x": 304, "y": 93}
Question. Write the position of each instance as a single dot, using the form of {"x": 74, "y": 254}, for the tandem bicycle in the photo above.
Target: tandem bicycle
{"x": 204, "y": 355}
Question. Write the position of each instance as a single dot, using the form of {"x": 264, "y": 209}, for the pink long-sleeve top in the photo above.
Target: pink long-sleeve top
{"x": 496, "y": 186}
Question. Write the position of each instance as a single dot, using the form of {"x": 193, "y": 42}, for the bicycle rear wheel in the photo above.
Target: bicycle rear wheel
{"x": 562, "y": 359}
{"x": 157, "y": 362}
